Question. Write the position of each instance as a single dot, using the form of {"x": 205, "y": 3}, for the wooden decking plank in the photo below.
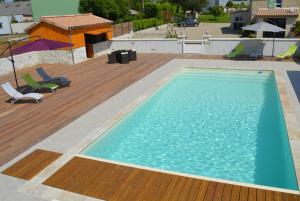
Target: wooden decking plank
{"x": 219, "y": 192}
{"x": 150, "y": 184}
{"x": 194, "y": 190}
{"x": 165, "y": 181}
{"x": 202, "y": 191}
{"x": 227, "y": 192}
{"x": 235, "y": 193}
{"x": 169, "y": 191}
{"x": 244, "y": 193}
{"x": 210, "y": 191}
{"x": 133, "y": 186}
{"x": 31, "y": 164}
{"x": 186, "y": 190}
{"x": 269, "y": 196}
{"x": 261, "y": 195}
{"x": 252, "y": 194}
{"x": 277, "y": 196}
{"x": 178, "y": 188}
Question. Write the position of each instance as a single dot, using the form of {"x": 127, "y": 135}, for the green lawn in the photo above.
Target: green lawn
{"x": 211, "y": 19}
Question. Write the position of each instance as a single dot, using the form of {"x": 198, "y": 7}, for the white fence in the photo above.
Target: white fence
{"x": 20, "y": 27}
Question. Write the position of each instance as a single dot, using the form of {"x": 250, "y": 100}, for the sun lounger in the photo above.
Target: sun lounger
{"x": 289, "y": 53}
{"x": 37, "y": 86}
{"x": 15, "y": 95}
{"x": 236, "y": 51}
{"x": 258, "y": 52}
{"x": 47, "y": 78}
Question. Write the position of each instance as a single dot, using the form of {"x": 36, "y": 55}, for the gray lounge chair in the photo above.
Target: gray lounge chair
{"x": 15, "y": 95}
{"x": 56, "y": 80}
{"x": 258, "y": 52}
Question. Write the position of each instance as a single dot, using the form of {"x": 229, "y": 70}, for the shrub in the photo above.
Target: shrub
{"x": 146, "y": 23}
{"x": 297, "y": 27}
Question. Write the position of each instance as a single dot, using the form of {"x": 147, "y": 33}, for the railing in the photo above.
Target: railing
{"x": 122, "y": 29}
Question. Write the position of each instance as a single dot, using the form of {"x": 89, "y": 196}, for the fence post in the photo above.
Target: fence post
{"x": 114, "y": 30}
{"x": 122, "y": 29}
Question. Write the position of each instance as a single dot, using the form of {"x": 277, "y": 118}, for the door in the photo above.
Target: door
{"x": 89, "y": 50}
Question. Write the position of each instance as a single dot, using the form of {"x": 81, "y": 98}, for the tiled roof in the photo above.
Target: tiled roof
{"x": 280, "y": 12}
{"x": 75, "y": 21}
{"x": 15, "y": 8}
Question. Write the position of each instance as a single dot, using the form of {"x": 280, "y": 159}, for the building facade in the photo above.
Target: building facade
{"x": 13, "y": 13}
{"x": 282, "y": 13}
{"x": 82, "y": 30}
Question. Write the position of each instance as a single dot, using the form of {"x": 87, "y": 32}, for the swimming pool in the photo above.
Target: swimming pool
{"x": 225, "y": 124}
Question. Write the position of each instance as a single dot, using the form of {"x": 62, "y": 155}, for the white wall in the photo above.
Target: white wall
{"x": 5, "y": 21}
{"x": 148, "y": 45}
{"x": 213, "y": 46}
{"x": 224, "y": 46}
{"x": 101, "y": 48}
{"x": 20, "y": 27}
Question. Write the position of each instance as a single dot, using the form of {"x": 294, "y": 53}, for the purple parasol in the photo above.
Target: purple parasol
{"x": 40, "y": 45}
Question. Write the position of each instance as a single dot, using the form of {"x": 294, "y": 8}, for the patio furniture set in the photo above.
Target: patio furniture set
{"x": 48, "y": 83}
{"x": 258, "y": 52}
{"x": 122, "y": 56}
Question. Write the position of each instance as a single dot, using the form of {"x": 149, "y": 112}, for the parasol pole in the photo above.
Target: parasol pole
{"x": 13, "y": 64}
{"x": 273, "y": 44}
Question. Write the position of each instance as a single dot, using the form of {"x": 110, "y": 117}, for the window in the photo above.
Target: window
{"x": 239, "y": 19}
{"x": 238, "y": 22}
{"x": 278, "y": 4}
{"x": 0, "y": 25}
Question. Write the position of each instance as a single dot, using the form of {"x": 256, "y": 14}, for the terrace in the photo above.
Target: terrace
{"x": 98, "y": 94}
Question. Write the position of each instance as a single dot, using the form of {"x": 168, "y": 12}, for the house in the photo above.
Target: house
{"x": 282, "y": 13}
{"x": 85, "y": 31}
{"x": 53, "y": 7}
{"x": 16, "y": 12}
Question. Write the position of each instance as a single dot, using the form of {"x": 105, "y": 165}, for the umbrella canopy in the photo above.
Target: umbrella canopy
{"x": 40, "y": 45}
{"x": 263, "y": 26}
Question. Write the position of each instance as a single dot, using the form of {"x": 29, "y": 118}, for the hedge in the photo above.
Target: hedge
{"x": 146, "y": 23}
{"x": 297, "y": 27}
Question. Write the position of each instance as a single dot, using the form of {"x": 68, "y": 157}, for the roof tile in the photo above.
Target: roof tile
{"x": 75, "y": 21}
{"x": 276, "y": 12}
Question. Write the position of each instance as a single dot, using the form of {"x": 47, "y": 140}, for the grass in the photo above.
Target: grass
{"x": 211, "y": 19}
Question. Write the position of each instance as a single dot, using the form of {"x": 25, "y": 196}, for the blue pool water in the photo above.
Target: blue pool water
{"x": 214, "y": 123}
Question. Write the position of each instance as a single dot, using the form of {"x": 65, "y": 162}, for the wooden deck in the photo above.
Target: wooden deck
{"x": 25, "y": 124}
{"x": 32, "y": 164}
{"x": 113, "y": 182}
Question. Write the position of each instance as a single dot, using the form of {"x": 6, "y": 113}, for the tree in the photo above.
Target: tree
{"x": 216, "y": 11}
{"x": 150, "y": 10}
{"x": 193, "y": 5}
{"x": 229, "y": 4}
{"x": 116, "y": 10}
